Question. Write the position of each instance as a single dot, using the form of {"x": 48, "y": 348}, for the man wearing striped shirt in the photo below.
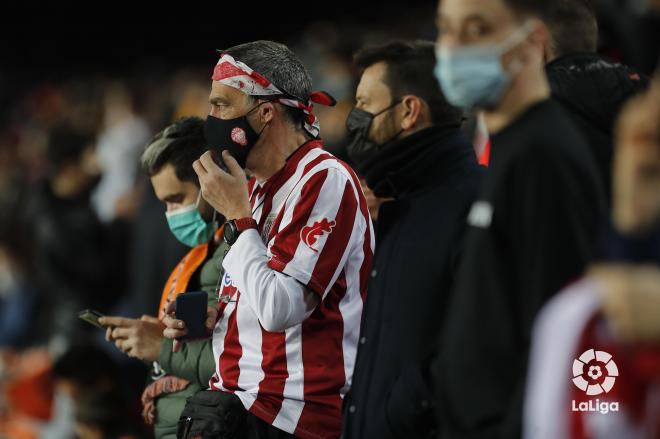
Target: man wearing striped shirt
{"x": 301, "y": 246}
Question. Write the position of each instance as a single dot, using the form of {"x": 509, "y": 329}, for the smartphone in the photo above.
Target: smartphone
{"x": 92, "y": 317}
{"x": 191, "y": 308}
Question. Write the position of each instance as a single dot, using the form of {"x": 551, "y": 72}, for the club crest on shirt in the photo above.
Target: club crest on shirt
{"x": 311, "y": 234}
{"x": 265, "y": 233}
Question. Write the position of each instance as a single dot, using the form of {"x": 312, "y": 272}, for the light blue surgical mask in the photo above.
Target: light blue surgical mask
{"x": 188, "y": 225}
{"x": 473, "y": 76}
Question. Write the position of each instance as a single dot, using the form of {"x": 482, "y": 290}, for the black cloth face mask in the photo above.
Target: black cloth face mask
{"x": 234, "y": 135}
{"x": 358, "y": 124}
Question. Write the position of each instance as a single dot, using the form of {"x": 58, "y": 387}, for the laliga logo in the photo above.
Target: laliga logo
{"x": 594, "y": 372}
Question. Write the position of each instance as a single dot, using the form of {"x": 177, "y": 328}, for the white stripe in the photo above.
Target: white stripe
{"x": 327, "y": 205}
{"x": 351, "y": 304}
{"x": 283, "y": 200}
{"x": 294, "y": 390}
{"x": 555, "y": 340}
{"x": 285, "y": 190}
{"x": 249, "y": 336}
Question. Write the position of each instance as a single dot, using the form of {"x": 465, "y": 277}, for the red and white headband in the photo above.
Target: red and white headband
{"x": 236, "y": 74}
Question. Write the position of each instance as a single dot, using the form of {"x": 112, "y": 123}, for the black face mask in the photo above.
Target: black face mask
{"x": 235, "y": 135}
{"x": 358, "y": 124}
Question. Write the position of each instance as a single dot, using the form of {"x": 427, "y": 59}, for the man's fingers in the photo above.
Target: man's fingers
{"x": 108, "y": 334}
{"x": 124, "y": 345}
{"x": 122, "y": 333}
{"x": 171, "y": 307}
{"x": 211, "y": 318}
{"x": 171, "y": 322}
{"x": 150, "y": 319}
{"x": 209, "y": 164}
{"x": 210, "y": 323}
{"x": 173, "y": 334}
{"x": 199, "y": 168}
{"x": 232, "y": 165}
{"x": 176, "y": 346}
{"x": 116, "y": 321}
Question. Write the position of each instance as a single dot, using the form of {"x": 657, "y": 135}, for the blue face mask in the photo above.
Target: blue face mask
{"x": 473, "y": 77}
{"x": 188, "y": 226}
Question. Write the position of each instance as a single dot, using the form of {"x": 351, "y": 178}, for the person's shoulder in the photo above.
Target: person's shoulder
{"x": 552, "y": 134}
{"x": 330, "y": 166}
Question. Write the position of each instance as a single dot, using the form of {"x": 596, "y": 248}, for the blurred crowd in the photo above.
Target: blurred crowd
{"x": 71, "y": 190}
{"x": 81, "y": 227}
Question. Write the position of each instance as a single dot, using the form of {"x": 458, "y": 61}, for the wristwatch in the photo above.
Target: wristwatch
{"x": 233, "y": 228}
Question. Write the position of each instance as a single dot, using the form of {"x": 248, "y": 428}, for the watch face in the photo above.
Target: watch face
{"x": 230, "y": 232}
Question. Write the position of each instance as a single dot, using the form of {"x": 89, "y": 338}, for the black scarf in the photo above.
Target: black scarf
{"x": 405, "y": 165}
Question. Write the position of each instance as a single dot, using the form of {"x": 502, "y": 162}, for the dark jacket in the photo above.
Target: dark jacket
{"x": 418, "y": 238}
{"x": 532, "y": 231}
{"x": 592, "y": 90}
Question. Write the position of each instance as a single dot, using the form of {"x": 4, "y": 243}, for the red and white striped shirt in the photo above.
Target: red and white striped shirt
{"x": 314, "y": 222}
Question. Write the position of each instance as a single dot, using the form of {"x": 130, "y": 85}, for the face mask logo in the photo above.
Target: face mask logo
{"x": 188, "y": 226}
{"x": 235, "y": 135}
{"x": 358, "y": 125}
{"x": 239, "y": 136}
{"x": 473, "y": 77}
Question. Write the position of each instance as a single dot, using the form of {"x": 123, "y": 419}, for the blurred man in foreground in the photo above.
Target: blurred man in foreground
{"x": 533, "y": 228}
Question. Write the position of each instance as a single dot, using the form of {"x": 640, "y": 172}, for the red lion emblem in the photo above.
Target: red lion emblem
{"x": 310, "y": 234}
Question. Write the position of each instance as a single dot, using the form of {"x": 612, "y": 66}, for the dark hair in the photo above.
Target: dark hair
{"x": 280, "y": 66}
{"x": 538, "y": 8}
{"x": 66, "y": 145}
{"x": 573, "y": 26}
{"x": 87, "y": 365}
{"x": 180, "y": 144}
{"x": 409, "y": 70}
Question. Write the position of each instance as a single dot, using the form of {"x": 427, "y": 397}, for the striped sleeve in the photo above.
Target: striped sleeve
{"x": 315, "y": 233}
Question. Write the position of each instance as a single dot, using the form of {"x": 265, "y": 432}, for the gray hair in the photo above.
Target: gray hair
{"x": 280, "y": 66}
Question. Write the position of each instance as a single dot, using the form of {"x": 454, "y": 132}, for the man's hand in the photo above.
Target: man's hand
{"x": 373, "y": 202}
{"x": 631, "y": 299}
{"x": 226, "y": 192}
{"x": 136, "y": 338}
{"x": 176, "y": 329}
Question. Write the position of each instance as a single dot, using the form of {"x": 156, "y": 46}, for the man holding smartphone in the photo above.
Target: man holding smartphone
{"x": 301, "y": 247}
{"x": 167, "y": 160}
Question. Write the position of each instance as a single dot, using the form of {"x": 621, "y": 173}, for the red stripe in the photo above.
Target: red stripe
{"x": 274, "y": 365}
{"x": 251, "y": 185}
{"x": 323, "y": 362}
{"x": 337, "y": 241}
{"x": 261, "y": 80}
{"x": 308, "y": 167}
{"x": 287, "y": 239}
{"x": 231, "y": 353}
{"x": 226, "y": 70}
{"x": 279, "y": 179}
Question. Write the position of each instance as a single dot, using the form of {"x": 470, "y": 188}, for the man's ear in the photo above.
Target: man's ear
{"x": 266, "y": 112}
{"x": 540, "y": 39}
{"x": 411, "y": 106}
